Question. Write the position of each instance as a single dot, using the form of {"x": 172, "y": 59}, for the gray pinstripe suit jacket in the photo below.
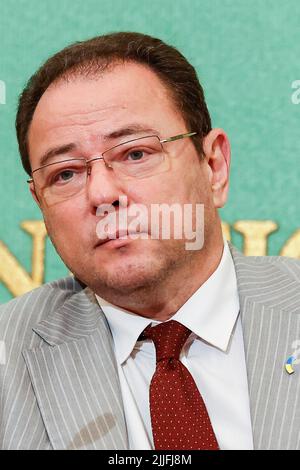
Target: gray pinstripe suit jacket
{"x": 59, "y": 387}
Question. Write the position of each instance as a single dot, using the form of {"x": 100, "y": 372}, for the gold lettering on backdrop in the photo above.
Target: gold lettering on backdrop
{"x": 226, "y": 230}
{"x": 292, "y": 246}
{"x": 12, "y": 273}
{"x": 255, "y": 234}
{"x": 18, "y": 280}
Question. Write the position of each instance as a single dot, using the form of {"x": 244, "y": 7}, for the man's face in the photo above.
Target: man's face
{"x": 84, "y": 111}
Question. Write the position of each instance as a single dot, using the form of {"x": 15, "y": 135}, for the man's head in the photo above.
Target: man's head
{"x": 96, "y": 55}
{"x": 95, "y": 95}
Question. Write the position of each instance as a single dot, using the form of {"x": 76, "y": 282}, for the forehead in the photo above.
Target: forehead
{"x": 88, "y": 107}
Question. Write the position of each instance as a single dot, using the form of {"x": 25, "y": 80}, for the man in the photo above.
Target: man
{"x": 105, "y": 125}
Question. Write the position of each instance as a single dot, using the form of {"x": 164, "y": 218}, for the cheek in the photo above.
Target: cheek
{"x": 65, "y": 227}
{"x": 177, "y": 187}
{"x": 196, "y": 183}
{"x": 189, "y": 186}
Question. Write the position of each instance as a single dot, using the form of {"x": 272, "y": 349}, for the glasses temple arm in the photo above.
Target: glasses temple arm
{"x": 177, "y": 137}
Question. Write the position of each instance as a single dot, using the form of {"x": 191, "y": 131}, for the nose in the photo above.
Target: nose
{"x": 102, "y": 185}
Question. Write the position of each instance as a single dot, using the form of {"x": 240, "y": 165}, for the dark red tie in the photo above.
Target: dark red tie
{"x": 178, "y": 414}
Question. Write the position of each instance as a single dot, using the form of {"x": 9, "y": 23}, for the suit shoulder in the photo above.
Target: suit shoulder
{"x": 290, "y": 266}
{"x": 270, "y": 265}
{"x": 38, "y": 302}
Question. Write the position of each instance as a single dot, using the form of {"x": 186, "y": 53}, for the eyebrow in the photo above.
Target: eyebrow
{"x": 127, "y": 131}
{"x": 61, "y": 150}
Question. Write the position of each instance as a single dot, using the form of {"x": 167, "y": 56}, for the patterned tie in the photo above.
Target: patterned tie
{"x": 178, "y": 414}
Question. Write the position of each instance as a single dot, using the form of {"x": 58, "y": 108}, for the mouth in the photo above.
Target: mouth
{"x": 119, "y": 238}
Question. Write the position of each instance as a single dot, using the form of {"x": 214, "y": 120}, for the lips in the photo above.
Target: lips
{"x": 113, "y": 236}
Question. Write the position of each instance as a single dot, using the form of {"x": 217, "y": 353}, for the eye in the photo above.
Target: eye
{"x": 135, "y": 155}
{"x": 65, "y": 175}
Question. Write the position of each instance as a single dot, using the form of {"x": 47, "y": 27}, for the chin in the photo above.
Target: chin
{"x": 123, "y": 277}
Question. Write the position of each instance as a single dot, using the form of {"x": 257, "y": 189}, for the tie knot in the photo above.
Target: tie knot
{"x": 168, "y": 337}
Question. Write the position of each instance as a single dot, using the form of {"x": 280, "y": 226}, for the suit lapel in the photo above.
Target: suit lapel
{"x": 75, "y": 378}
{"x": 269, "y": 306}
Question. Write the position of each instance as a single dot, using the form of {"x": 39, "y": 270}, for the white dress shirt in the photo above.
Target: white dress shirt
{"x": 214, "y": 355}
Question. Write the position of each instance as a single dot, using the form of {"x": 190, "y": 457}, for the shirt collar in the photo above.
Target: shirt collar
{"x": 211, "y": 312}
{"x": 203, "y": 313}
{"x": 125, "y": 327}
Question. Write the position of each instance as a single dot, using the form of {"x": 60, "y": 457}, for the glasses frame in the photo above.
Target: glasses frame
{"x": 101, "y": 157}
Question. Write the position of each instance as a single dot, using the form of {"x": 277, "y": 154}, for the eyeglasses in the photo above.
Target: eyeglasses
{"x": 136, "y": 158}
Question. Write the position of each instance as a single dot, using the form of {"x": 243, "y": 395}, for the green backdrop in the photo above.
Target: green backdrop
{"x": 247, "y": 55}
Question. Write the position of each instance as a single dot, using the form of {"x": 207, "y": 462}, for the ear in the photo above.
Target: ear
{"x": 216, "y": 149}
{"x": 34, "y": 194}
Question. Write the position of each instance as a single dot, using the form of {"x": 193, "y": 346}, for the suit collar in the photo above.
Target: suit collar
{"x": 78, "y": 317}
{"x": 260, "y": 280}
